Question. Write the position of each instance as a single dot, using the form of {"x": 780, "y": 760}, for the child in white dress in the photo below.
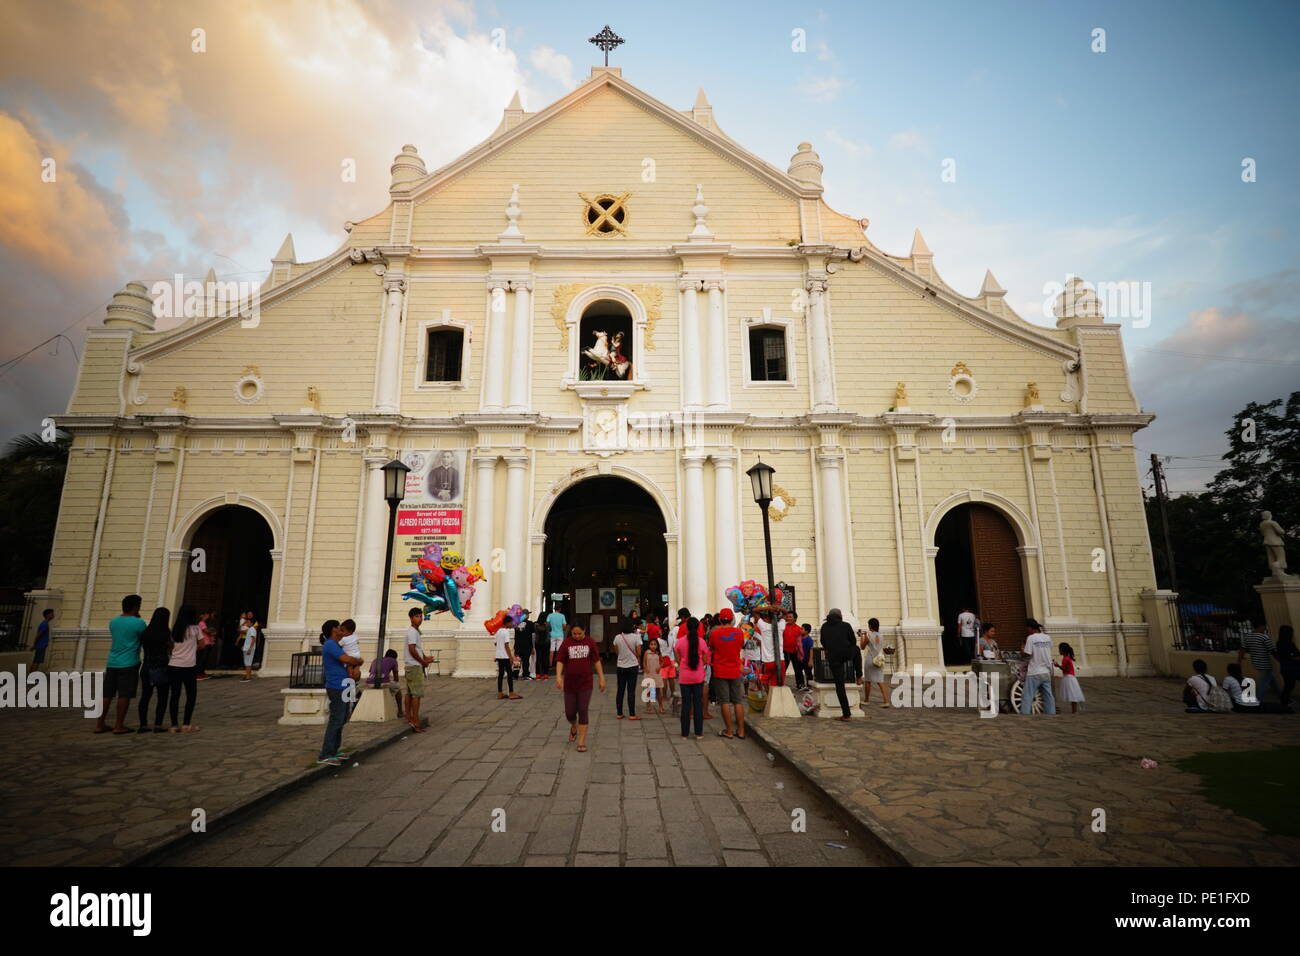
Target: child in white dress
{"x": 1070, "y": 689}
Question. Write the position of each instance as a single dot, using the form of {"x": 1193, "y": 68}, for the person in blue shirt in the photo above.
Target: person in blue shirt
{"x": 336, "y": 664}
{"x": 557, "y": 624}
{"x": 122, "y": 670}
{"x": 42, "y": 638}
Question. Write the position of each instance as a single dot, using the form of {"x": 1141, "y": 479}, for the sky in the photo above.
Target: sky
{"x": 1115, "y": 155}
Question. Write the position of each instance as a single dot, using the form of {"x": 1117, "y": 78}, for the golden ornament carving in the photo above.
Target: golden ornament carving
{"x": 180, "y": 395}
{"x": 961, "y": 368}
{"x": 652, "y": 298}
{"x": 604, "y": 214}
{"x": 780, "y": 494}
{"x": 563, "y": 295}
{"x": 313, "y": 397}
{"x": 900, "y": 395}
{"x": 1031, "y": 394}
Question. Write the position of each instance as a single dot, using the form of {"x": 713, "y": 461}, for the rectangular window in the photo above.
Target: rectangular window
{"x": 442, "y": 357}
{"x": 767, "y": 355}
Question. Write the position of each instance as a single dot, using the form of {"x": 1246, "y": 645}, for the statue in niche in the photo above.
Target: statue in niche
{"x": 1031, "y": 394}
{"x": 900, "y": 395}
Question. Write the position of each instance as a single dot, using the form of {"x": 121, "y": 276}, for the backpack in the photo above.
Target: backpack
{"x": 1218, "y": 701}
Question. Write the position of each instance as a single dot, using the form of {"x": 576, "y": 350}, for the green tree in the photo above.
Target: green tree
{"x": 31, "y": 484}
{"x": 1215, "y": 534}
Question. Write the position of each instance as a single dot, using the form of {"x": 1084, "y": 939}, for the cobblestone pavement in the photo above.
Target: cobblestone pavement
{"x": 949, "y": 787}
{"x": 68, "y": 796}
{"x": 639, "y": 796}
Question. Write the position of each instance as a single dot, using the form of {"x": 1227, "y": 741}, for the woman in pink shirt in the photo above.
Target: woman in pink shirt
{"x": 692, "y": 658}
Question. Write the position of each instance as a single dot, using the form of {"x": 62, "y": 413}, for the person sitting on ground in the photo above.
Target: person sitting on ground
{"x": 1202, "y": 695}
{"x": 1232, "y": 684}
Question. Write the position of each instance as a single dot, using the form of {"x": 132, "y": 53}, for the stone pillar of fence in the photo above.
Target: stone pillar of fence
{"x": 1160, "y": 609}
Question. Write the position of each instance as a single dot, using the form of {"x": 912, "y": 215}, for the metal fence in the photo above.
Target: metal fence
{"x": 12, "y": 637}
{"x": 1207, "y": 627}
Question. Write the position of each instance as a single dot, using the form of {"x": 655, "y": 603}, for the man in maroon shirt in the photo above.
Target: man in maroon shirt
{"x": 725, "y": 643}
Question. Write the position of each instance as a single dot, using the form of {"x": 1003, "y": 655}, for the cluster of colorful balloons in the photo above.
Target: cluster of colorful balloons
{"x": 493, "y": 624}
{"x": 750, "y": 596}
{"x": 443, "y": 582}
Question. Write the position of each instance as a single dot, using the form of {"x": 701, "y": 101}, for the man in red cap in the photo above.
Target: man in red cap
{"x": 725, "y": 643}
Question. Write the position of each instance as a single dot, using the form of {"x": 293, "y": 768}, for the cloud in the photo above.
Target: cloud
{"x": 821, "y": 87}
{"x": 906, "y": 139}
{"x": 214, "y": 154}
{"x": 849, "y": 146}
{"x": 555, "y": 65}
{"x": 1222, "y": 359}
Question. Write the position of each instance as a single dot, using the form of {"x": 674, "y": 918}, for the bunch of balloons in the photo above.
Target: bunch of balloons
{"x": 438, "y": 581}
{"x": 515, "y": 612}
{"x": 748, "y": 597}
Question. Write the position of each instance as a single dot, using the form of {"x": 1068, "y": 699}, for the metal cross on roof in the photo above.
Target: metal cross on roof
{"x": 606, "y": 40}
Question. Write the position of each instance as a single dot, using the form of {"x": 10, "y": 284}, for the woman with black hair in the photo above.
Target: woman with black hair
{"x": 692, "y": 657}
{"x": 627, "y": 645}
{"x": 156, "y": 644}
{"x": 184, "y": 667}
{"x": 327, "y": 630}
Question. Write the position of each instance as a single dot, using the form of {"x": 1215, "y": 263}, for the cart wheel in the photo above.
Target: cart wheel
{"x": 1017, "y": 693}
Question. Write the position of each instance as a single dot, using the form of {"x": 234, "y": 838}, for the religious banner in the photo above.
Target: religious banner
{"x": 433, "y": 510}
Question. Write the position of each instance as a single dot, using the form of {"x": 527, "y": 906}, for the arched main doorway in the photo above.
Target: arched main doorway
{"x": 236, "y": 575}
{"x": 605, "y": 549}
{"x": 977, "y": 566}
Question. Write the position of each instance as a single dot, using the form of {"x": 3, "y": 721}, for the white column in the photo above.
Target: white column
{"x": 833, "y": 554}
{"x": 494, "y": 354}
{"x": 693, "y": 382}
{"x": 695, "y": 564}
{"x": 717, "y": 350}
{"x": 823, "y": 394}
{"x": 388, "y": 376}
{"x": 514, "y": 586}
{"x": 726, "y": 542}
{"x": 482, "y": 518}
{"x": 374, "y": 524}
{"x": 521, "y": 347}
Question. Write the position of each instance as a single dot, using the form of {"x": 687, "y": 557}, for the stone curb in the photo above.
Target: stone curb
{"x": 866, "y": 824}
{"x": 250, "y": 804}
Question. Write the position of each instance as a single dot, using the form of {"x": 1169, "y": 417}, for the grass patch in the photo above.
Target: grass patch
{"x": 1257, "y": 784}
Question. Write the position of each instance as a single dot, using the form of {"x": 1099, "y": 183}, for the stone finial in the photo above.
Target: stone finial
{"x": 990, "y": 286}
{"x": 131, "y": 309}
{"x": 282, "y": 261}
{"x": 701, "y": 231}
{"x": 211, "y": 304}
{"x": 407, "y": 168}
{"x": 512, "y": 233}
{"x": 1077, "y": 305}
{"x": 514, "y": 113}
{"x": 919, "y": 248}
{"x": 806, "y": 166}
{"x": 702, "y": 111}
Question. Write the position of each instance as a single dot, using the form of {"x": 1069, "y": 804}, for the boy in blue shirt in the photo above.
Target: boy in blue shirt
{"x": 42, "y": 638}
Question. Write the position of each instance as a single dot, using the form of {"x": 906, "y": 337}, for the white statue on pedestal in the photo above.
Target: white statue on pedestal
{"x": 1274, "y": 545}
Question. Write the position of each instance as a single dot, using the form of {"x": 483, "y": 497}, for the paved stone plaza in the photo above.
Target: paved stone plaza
{"x": 949, "y": 787}
{"x": 639, "y": 796}
{"x": 933, "y": 787}
{"x": 68, "y": 796}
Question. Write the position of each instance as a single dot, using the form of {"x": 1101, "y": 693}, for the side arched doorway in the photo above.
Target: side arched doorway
{"x": 605, "y": 550}
{"x": 236, "y": 575}
{"x": 977, "y": 567}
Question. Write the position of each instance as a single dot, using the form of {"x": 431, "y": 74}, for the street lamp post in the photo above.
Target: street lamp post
{"x": 760, "y": 478}
{"x": 394, "y": 491}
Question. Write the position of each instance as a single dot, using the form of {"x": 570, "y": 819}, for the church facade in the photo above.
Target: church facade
{"x": 579, "y": 335}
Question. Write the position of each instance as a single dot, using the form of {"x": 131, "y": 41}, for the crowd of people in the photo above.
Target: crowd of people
{"x": 156, "y": 661}
{"x": 1202, "y": 694}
